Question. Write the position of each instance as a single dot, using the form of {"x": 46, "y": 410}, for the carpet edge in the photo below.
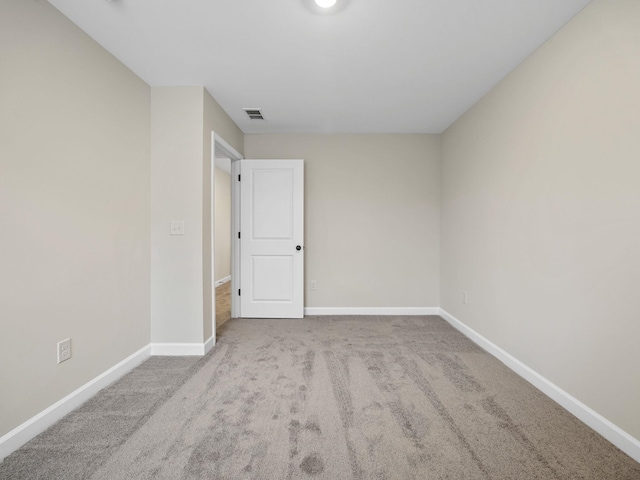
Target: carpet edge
{"x": 322, "y": 311}
{"x": 617, "y": 436}
{"x": 37, "y": 424}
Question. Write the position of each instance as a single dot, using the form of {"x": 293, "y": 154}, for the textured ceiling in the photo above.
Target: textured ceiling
{"x": 373, "y": 66}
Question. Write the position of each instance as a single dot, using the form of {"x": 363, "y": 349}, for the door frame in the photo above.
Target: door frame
{"x": 235, "y": 244}
{"x": 220, "y": 148}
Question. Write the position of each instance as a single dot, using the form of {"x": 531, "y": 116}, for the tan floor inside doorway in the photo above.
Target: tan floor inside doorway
{"x": 223, "y": 303}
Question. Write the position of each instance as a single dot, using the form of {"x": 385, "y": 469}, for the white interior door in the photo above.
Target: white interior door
{"x": 272, "y": 238}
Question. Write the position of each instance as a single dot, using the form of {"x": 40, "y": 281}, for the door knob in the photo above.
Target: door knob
{"x": 298, "y": 247}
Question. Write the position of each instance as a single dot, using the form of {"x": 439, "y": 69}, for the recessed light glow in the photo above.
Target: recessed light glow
{"x": 325, "y": 3}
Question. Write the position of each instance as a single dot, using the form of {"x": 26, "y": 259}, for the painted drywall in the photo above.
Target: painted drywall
{"x": 223, "y": 224}
{"x": 541, "y": 212}
{"x": 215, "y": 120}
{"x": 182, "y": 119}
{"x": 74, "y": 204}
{"x": 371, "y": 216}
{"x": 176, "y": 195}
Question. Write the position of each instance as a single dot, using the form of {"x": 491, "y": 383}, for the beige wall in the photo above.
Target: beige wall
{"x": 216, "y": 120}
{"x": 371, "y": 216}
{"x": 182, "y": 119}
{"x": 223, "y": 224}
{"x": 541, "y": 212}
{"x": 74, "y": 204}
{"x": 176, "y": 194}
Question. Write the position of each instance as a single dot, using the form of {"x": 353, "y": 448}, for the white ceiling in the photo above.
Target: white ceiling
{"x": 375, "y": 66}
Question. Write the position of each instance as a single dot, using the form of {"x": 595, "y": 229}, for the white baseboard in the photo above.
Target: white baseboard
{"x": 178, "y": 349}
{"x": 39, "y": 423}
{"x": 222, "y": 281}
{"x": 208, "y": 345}
{"x": 621, "y": 439}
{"x": 372, "y": 311}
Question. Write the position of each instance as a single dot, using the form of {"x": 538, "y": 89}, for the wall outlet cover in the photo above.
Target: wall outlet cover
{"x": 64, "y": 350}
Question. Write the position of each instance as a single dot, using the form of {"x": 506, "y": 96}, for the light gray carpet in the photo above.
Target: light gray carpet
{"x": 325, "y": 398}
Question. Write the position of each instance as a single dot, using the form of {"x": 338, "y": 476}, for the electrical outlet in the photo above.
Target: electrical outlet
{"x": 64, "y": 350}
{"x": 313, "y": 285}
{"x": 465, "y": 299}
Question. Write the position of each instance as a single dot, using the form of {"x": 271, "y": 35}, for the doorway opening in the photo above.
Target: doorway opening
{"x": 224, "y": 271}
{"x": 222, "y": 241}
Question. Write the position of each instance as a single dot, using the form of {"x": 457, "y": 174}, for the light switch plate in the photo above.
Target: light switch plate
{"x": 177, "y": 227}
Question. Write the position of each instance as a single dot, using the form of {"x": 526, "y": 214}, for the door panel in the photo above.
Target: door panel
{"x": 272, "y": 204}
{"x": 272, "y": 226}
{"x": 265, "y": 269}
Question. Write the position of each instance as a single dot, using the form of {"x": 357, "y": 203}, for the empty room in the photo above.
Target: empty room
{"x": 328, "y": 239}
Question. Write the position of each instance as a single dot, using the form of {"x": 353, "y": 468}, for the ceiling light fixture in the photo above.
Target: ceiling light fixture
{"x": 324, "y": 7}
{"x": 325, "y": 3}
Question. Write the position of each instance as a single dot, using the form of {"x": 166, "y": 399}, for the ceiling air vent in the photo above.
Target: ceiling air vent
{"x": 254, "y": 113}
